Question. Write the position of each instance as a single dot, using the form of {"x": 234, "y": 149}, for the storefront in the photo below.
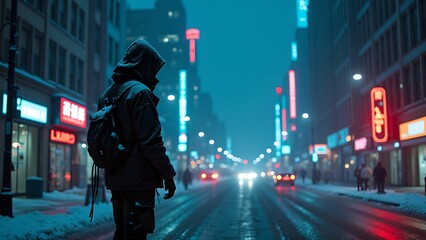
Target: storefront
{"x": 30, "y": 119}
{"x": 413, "y": 142}
{"x": 67, "y": 155}
{"x": 341, "y": 154}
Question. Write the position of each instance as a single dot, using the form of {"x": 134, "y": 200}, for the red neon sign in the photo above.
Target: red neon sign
{"x": 379, "y": 114}
{"x": 292, "y": 89}
{"x": 192, "y": 34}
{"x": 72, "y": 113}
{"x": 62, "y": 137}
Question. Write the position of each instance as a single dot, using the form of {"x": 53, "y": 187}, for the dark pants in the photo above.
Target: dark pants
{"x": 380, "y": 185}
{"x": 133, "y": 214}
{"x": 365, "y": 183}
{"x": 359, "y": 183}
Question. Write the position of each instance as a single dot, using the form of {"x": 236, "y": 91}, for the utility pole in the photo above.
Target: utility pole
{"x": 6, "y": 190}
{"x": 314, "y": 157}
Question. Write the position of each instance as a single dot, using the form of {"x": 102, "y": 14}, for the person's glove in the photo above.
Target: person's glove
{"x": 170, "y": 187}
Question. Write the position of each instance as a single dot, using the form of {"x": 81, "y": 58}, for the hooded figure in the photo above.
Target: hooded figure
{"x": 133, "y": 184}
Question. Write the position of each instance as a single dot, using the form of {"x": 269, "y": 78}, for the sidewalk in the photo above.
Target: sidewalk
{"x": 407, "y": 199}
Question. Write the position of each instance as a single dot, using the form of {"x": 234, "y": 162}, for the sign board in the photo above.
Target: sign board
{"x": 412, "y": 129}
{"x": 379, "y": 120}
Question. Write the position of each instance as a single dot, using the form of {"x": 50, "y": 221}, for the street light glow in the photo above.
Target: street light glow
{"x": 305, "y": 115}
{"x": 171, "y": 97}
{"x": 211, "y": 141}
{"x": 201, "y": 134}
{"x": 357, "y": 77}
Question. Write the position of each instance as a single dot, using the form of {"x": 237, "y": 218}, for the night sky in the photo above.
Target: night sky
{"x": 243, "y": 54}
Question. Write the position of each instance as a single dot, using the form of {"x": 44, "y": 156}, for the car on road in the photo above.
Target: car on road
{"x": 209, "y": 175}
{"x": 284, "y": 178}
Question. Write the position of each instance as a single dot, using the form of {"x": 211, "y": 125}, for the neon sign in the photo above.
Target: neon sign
{"x": 278, "y": 132}
{"x": 292, "y": 89}
{"x": 360, "y": 144}
{"x": 29, "y": 110}
{"x": 183, "y": 139}
{"x": 192, "y": 34}
{"x": 62, "y": 137}
{"x": 72, "y": 113}
{"x": 379, "y": 114}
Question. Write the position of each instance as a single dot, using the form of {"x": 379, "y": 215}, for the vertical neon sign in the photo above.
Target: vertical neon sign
{"x": 292, "y": 90}
{"x": 183, "y": 139}
{"x": 302, "y": 13}
{"x": 277, "y": 130}
{"x": 379, "y": 114}
{"x": 192, "y": 34}
{"x": 284, "y": 117}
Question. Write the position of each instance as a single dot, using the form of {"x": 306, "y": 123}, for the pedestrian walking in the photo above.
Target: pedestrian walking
{"x": 357, "y": 175}
{"x": 303, "y": 174}
{"x": 380, "y": 174}
{"x": 187, "y": 178}
{"x": 134, "y": 183}
{"x": 365, "y": 176}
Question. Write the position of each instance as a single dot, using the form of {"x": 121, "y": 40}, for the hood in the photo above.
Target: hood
{"x": 141, "y": 62}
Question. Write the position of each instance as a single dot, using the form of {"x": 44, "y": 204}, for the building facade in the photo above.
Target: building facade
{"x": 60, "y": 72}
{"x": 385, "y": 43}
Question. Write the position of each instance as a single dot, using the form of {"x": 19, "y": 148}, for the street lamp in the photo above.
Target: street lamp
{"x": 6, "y": 208}
{"x": 357, "y": 77}
{"x": 314, "y": 154}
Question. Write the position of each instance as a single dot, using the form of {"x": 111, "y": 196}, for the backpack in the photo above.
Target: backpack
{"x": 102, "y": 140}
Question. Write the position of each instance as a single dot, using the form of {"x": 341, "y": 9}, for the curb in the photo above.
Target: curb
{"x": 370, "y": 199}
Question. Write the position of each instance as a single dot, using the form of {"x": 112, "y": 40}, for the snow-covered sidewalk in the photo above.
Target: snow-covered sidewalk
{"x": 59, "y": 212}
{"x": 409, "y": 202}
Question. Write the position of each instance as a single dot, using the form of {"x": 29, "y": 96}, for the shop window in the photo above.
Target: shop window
{"x": 24, "y": 156}
{"x": 422, "y": 164}
{"x": 59, "y": 177}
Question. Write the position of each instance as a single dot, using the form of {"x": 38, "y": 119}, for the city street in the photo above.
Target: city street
{"x": 229, "y": 210}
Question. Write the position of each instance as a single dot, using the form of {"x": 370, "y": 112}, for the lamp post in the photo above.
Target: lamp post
{"x": 314, "y": 154}
{"x": 6, "y": 190}
{"x": 314, "y": 158}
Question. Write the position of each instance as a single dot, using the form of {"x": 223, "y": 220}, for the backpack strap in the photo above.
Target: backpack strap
{"x": 121, "y": 90}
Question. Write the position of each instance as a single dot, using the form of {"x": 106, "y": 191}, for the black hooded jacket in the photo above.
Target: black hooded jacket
{"x": 137, "y": 122}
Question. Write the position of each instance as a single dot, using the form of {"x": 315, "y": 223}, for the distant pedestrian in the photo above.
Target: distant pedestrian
{"x": 357, "y": 175}
{"x": 187, "y": 178}
{"x": 303, "y": 174}
{"x": 380, "y": 174}
{"x": 365, "y": 176}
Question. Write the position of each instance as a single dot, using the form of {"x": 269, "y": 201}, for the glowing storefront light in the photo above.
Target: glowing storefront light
{"x": 28, "y": 110}
{"x": 412, "y": 129}
{"x": 72, "y": 113}
{"x": 62, "y": 137}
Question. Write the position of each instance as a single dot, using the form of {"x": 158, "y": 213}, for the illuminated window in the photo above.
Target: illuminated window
{"x": 172, "y": 38}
